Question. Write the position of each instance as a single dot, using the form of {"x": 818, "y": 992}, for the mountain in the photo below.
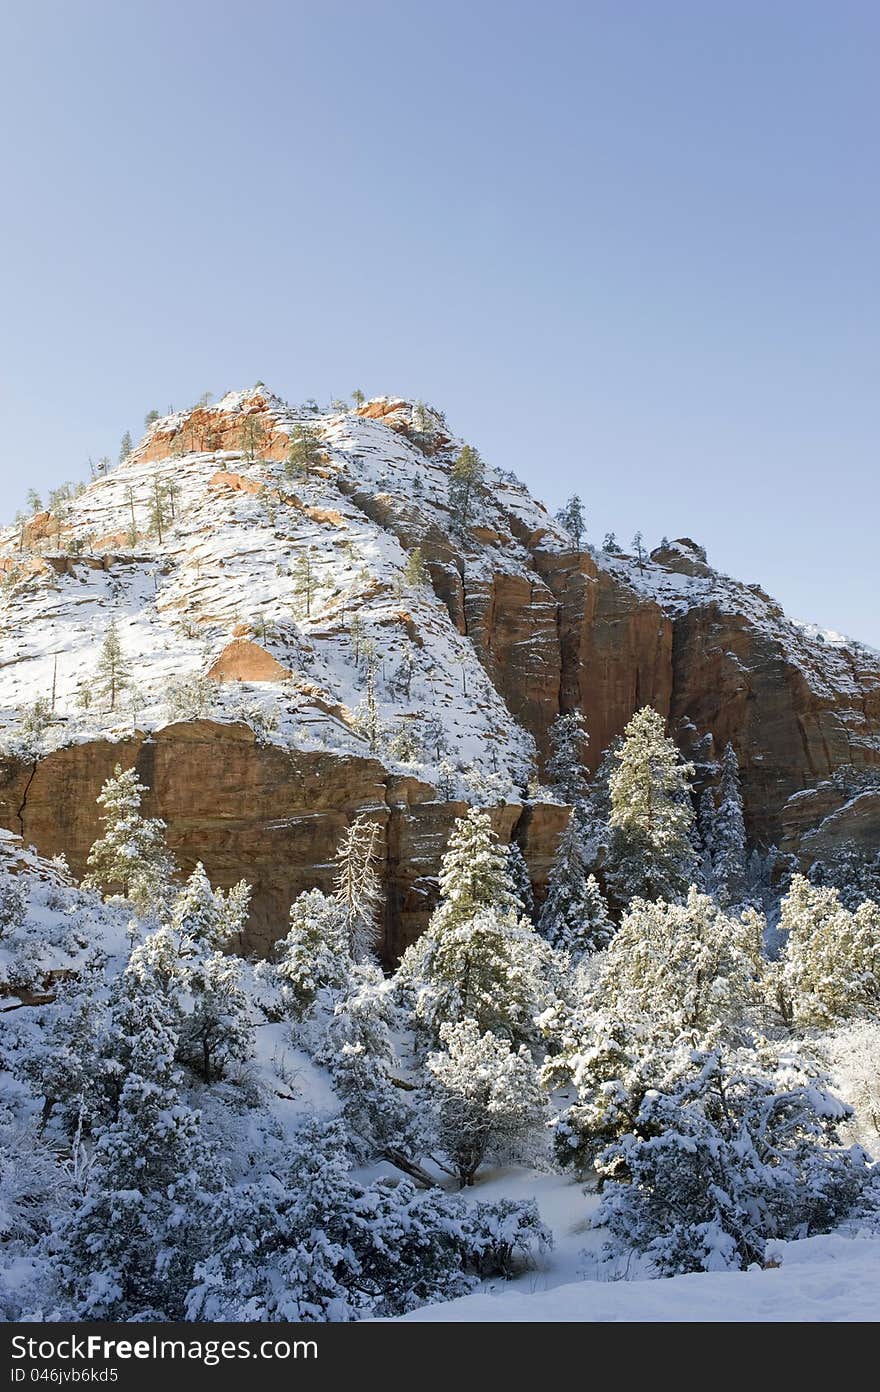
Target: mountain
{"x": 289, "y": 671}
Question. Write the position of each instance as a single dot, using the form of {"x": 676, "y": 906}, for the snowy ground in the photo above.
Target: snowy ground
{"x": 833, "y": 1278}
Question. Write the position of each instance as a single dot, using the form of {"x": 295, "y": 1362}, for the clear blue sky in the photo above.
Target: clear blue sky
{"x": 630, "y": 247}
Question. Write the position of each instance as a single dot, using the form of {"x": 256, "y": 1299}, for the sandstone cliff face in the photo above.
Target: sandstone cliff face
{"x": 516, "y": 626}
{"x": 253, "y": 811}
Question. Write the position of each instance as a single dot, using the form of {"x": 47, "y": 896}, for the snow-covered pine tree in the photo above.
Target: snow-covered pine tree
{"x": 358, "y": 888}
{"x": 114, "y": 670}
{"x": 128, "y": 1250}
{"x": 131, "y": 854}
{"x": 520, "y": 879}
{"x": 315, "y": 956}
{"x": 486, "y": 1095}
{"x": 474, "y": 872}
{"x": 829, "y": 967}
{"x": 566, "y": 766}
{"x": 729, "y": 834}
{"x": 722, "y": 1156}
{"x": 651, "y": 853}
{"x": 572, "y": 519}
{"x": 705, "y": 828}
{"x": 574, "y": 917}
{"x": 217, "y": 1030}
{"x": 206, "y": 917}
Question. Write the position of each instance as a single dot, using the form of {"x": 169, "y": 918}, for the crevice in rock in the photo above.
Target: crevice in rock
{"x": 22, "y": 808}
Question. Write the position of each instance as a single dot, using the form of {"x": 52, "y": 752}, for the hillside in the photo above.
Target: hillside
{"x": 288, "y": 670}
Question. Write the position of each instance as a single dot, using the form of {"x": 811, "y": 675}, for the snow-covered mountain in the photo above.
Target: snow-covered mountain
{"x": 286, "y": 661}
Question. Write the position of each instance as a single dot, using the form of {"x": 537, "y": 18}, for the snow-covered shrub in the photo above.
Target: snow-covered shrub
{"x": 13, "y": 903}
{"x": 503, "y": 1233}
{"x": 722, "y": 1159}
{"x": 852, "y": 1056}
{"x": 683, "y": 968}
{"x": 829, "y": 968}
{"x": 486, "y": 1095}
{"x": 190, "y": 698}
{"x": 315, "y": 954}
{"x": 312, "y": 1243}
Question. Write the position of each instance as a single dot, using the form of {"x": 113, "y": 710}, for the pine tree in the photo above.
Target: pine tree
{"x": 729, "y": 834}
{"x": 486, "y": 1095}
{"x": 609, "y": 544}
{"x": 565, "y": 767}
{"x": 114, "y": 671}
{"x": 572, "y": 519}
{"x": 217, "y": 1031}
{"x": 252, "y": 436}
{"x": 706, "y": 827}
{"x": 150, "y": 418}
{"x": 206, "y": 917}
{"x": 34, "y": 501}
{"x": 128, "y": 1250}
{"x": 131, "y": 853}
{"x": 315, "y": 956}
{"x": 651, "y": 853}
{"x": 466, "y": 476}
{"x": 416, "y": 574}
{"x": 423, "y": 425}
{"x": 829, "y": 968}
{"x": 304, "y": 451}
{"x": 158, "y": 508}
{"x": 574, "y": 917}
{"x": 638, "y": 546}
{"x": 358, "y": 888}
{"x": 520, "y": 880}
{"x": 125, "y": 447}
{"x": 474, "y": 872}
{"x": 358, "y": 397}
{"x": 304, "y": 579}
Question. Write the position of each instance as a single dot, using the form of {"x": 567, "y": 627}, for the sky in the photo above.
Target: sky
{"x": 630, "y": 248}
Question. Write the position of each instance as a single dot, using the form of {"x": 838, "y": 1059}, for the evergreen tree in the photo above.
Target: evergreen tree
{"x": 217, "y": 1031}
{"x": 158, "y": 508}
{"x": 34, "y": 501}
{"x": 304, "y": 451}
{"x": 706, "y": 826}
{"x": 207, "y": 918}
{"x": 638, "y": 546}
{"x": 565, "y": 767}
{"x": 466, "y": 476}
{"x": 651, "y": 853}
{"x": 128, "y": 1250}
{"x": 829, "y": 968}
{"x": 416, "y": 574}
{"x": 125, "y": 447}
{"x": 574, "y": 917}
{"x": 474, "y": 871}
{"x": 252, "y": 436}
{"x": 423, "y": 426}
{"x": 358, "y": 397}
{"x": 131, "y": 853}
{"x": 572, "y": 520}
{"x": 358, "y": 888}
{"x": 520, "y": 880}
{"x": 114, "y": 671}
{"x": 609, "y": 544}
{"x": 315, "y": 956}
{"x": 304, "y": 579}
{"x": 729, "y": 834}
{"x": 486, "y": 1095}
{"x": 150, "y": 418}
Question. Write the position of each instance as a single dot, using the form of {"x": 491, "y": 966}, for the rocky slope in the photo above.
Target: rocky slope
{"x": 272, "y": 606}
